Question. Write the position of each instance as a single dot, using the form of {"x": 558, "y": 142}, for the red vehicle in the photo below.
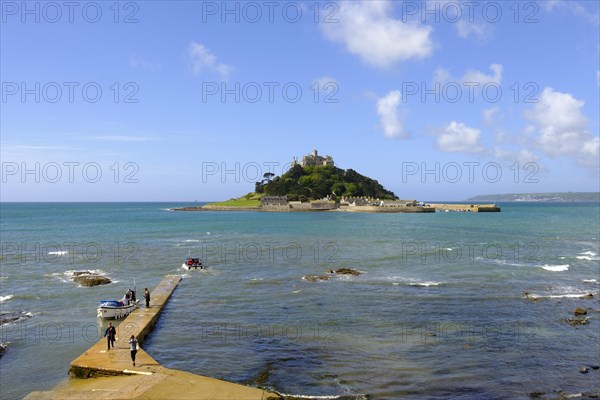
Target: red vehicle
{"x": 192, "y": 263}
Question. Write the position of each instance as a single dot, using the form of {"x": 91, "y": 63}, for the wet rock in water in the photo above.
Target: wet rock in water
{"x": 536, "y": 395}
{"x": 348, "y": 271}
{"x": 2, "y": 348}
{"x": 315, "y": 278}
{"x": 579, "y": 311}
{"x": 583, "y": 395}
{"x": 577, "y": 321}
{"x": 531, "y": 297}
{"x": 8, "y": 317}
{"x": 90, "y": 279}
{"x": 588, "y": 296}
{"x": 594, "y": 366}
{"x": 591, "y": 395}
{"x": 584, "y": 370}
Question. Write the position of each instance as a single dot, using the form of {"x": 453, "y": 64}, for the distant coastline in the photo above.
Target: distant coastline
{"x": 557, "y": 197}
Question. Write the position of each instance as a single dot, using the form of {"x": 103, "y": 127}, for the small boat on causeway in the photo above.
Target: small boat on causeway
{"x": 117, "y": 309}
{"x": 192, "y": 263}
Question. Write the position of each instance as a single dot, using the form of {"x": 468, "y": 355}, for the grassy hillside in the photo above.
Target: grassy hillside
{"x": 317, "y": 182}
{"x": 248, "y": 200}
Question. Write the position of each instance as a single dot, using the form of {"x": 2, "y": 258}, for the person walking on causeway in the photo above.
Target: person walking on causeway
{"x": 111, "y": 334}
{"x": 133, "y": 344}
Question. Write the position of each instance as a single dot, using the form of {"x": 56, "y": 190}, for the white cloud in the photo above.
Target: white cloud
{"x": 561, "y": 127}
{"x": 572, "y": 7}
{"x": 390, "y": 117}
{"x": 441, "y": 75}
{"x": 490, "y": 115}
{"x": 326, "y": 81}
{"x": 482, "y": 78}
{"x": 368, "y": 29}
{"x": 550, "y": 5}
{"x": 471, "y": 77}
{"x": 523, "y": 156}
{"x": 459, "y": 138}
{"x": 477, "y": 30}
{"x": 472, "y": 82}
{"x": 201, "y": 59}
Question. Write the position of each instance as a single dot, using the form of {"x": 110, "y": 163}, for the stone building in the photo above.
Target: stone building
{"x": 358, "y": 201}
{"x": 273, "y": 201}
{"x": 399, "y": 203}
{"x": 314, "y": 159}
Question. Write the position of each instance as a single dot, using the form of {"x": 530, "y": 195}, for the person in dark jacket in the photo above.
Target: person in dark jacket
{"x": 111, "y": 334}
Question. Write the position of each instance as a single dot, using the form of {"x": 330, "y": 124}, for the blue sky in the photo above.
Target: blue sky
{"x": 191, "y": 100}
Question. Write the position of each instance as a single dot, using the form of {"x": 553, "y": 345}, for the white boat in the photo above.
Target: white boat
{"x": 115, "y": 309}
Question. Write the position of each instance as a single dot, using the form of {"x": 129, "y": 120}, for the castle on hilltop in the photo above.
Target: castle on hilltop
{"x": 314, "y": 159}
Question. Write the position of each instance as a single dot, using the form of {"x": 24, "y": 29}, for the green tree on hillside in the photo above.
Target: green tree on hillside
{"x": 317, "y": 182}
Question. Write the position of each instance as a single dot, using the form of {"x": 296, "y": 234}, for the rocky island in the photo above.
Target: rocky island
{"x": 316, "y": 184}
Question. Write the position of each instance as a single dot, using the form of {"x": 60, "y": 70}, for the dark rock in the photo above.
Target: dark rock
{"x": 91, "y": 280}
{"x": 348, "y": 271}
{"x": 590, "y": 395}
{"x": 594, "y": 366}
{"x": 579, "y": 311}
{"x": 536, "y": 395}
{"x": 2, "y": 348}
{"x": 8, "y": 317}
{"x": 583, "y": 395}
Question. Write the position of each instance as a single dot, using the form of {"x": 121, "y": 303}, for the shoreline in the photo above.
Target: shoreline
{"x": 428, "y": 208}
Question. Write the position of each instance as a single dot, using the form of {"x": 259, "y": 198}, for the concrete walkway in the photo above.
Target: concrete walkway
{"x": 115, "y": 377}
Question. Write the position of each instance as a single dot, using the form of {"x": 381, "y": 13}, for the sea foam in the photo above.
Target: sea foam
{"x": 425, "y": 284}
{"x": 556, "y": 268}
{"x": 6, "y": 298}
{"x": 588, "y": 255}
{"x": 58, "y": 253}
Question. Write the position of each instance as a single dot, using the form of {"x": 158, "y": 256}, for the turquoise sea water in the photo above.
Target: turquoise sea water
{"x": 438, "y": 313}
